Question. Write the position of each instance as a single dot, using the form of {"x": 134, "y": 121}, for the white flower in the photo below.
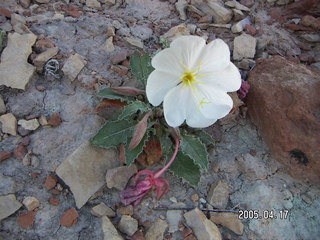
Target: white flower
{"x": 192, "y": 79}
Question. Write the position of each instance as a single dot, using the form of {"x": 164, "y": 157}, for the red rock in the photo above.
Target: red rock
{"x": 55, "y": 120}
{"x": 55, "y": 191}
{"x": 71, "y": 10}
{"x": 303, "y": 7}
{"x": 34, "y": 175}
{"x": 119, "y": 57}
{"x": 51, "y": 182}
{"x": 251, "y": 30}
{"x": 297, "y": 27}
{"x": 121, "y": 70}
{"x": 284, "y": 104}
{"x": 138, "y": 236}
{"x": 310, "y": 21}
{"x": 5, "y": 155}
{"x": 5, "y": 12}
{"x": 186, "y": 232}
{"x": 54, "y": 201}
{"x": 190, "y": 237}
{"x": 20, "y": 151}
{"x": 69, "y": 217}
{"x": 307, "y": 57}
{"x": 26, "y": 220}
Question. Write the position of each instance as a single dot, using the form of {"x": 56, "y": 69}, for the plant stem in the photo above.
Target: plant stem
{"x": 160, "y": 172}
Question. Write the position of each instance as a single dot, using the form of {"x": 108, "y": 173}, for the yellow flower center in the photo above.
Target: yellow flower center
{"x": 188, "y": 78}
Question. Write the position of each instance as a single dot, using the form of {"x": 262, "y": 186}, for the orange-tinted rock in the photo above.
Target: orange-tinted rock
{"x": 284, "y": 104}
{"x": 54, "y": 201}
{"x": 20, "y": 151}
{"x": 51, "y": 182}
{"x": 55, "y": 120}
{"x": 26, "y": 220}
{"x": 310, "y": 21}
{"x": 4, "y": 155}
{"x": 138, "y": 236}
{"x": 69, "y": 218}
{"x": 5, "y": 12}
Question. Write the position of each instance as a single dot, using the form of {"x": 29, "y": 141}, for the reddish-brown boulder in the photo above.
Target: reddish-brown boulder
{"x": 284, "y": 104}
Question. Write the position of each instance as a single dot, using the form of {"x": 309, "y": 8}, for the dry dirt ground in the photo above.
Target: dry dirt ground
{"x": 240, "y": 158}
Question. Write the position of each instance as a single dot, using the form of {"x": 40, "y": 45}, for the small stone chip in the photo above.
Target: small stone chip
{"x": 31, "y": 203}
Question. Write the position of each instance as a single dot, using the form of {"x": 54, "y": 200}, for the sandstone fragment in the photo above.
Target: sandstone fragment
{"x": 32, "y": 124}
{"x": 157, "y": 229}
{"x": 228, "y": 220}
{"x": 26, "y": 220}
{"x": 128, "y": 225}
{"x": 93, "y": 4}
{"x": 8, "y": 205}
{"x": 177, "y": 31}
{"x": 3, "y": 108}
{"x": 69, "y": 217}
{"x": 86, "y": 177}
{"x": 43, "y": 57}
{"x": 9, "y": 124}
{"x": 73, "y": 66}
{"x": 15, "y": 71}
{"x": 119, "y": 177}
{"x": 218, "y": 194}
{"x": 31, "y": 203}
{"x": 101, "y": 210}
{"x": 108, "y": 45}
{"x": 244, "y": 46}
{"x": 109, "y": 231}
{"x": 181, "y": 7}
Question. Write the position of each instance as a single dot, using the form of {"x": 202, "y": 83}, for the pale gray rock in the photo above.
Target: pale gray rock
{"x": 9, "y": 124}
{"x": 174, "y": 217}
{"x": 218, "y": 194}
{"x": 228, "y": 220}
{"x": 84, "y": 170}
{"x": 32, "y": 124}
{"x": 157, "y": 230}
{"x": 238, "y": 15}
{"x": 31, "y": 203}
{"x": 119, "y": 177}
{"x": 3, "y": 108}
{"x": 15, "y": 71}
{"x": 252, "y": 169}
{"x": 42, "y": 1}
{"x": 244, "y": 46}
{"x": 8, "y": 205}
{"x": 108, "y": 45}
{"x": 141, "y": 32}
{"x": 93, "y": 4}
{"x": 109, "y": 231}
{"x": 108, "y": 2}
{"x": 237, "y": 5}
{"x": 18, "y": 24}
{"x": 128, "y": 225}
{"x": 42, "y": 58}
{"x": 177, "y": 31}
{"x": 135, "y": 42}
{"x": 101, "y": 210}
{"x": 202, "y": 227}
{"x": 73, "y": 66}
{"x": 239, "y": 26}
{"x": 311, "y": 37}
{"x": 181, "y": 7}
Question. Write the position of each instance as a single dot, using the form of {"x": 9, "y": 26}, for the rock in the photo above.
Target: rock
{"x": 73, "y": 66}
{"x": 174, "y": 218}
{"x": 126, "y": 210}
{"x": 9, "y": 124}
{"x": 252, "y": 168}
{"x": 25, "y": 3}
{"x": 86, "y": 177}
{"x": 316, "y": 65}
{"x": 177, "y": 31}
{"x": 121, "y": 70}
{"x": 108, "y": 45}
{"x": 157, "y": 229}
{"x": 108, "y": 2}
{"x": 289, "y": 107}
{"x": 109, "y": 231}
{"x": 181, "y": 7}
{"x": 26, "y": 161}
{"x": 119, "y": 57}
{"x": 26, "y": 220}
{"x": 54, "y": 120}
{"x": 284, "y": 2}
{"x": 31, "y": 203}
{"x": 251, "y": 30}
{"x": 311, "y": 37}
{"x": 8, "y": 205}
{"x": 43, "y": 120}
{"x": 247, "y": 3}
{"x": 238, "y": 15}
{"x": 5, "y": 155}
{"x": 42, "y": 1}
{"x": 18, "y": 24}
{"x": 218, "y": 194}
{"x": 69, "y": 217}
{"x": 119, "y": 177}
{"x": 15, "y": 71}
{"x": 128, "y": 225}
{"x": 138, "y": 236}
{"x": 141, "y": 32}
{"x": 32, "y": 124}
{"x": 51, "y": 182}
{"x": 237, "y": 5}
{"x": 228, "y": 220}
{"x": 244, "y": 46}
{"x": 43, "y": 57}
{"x": 101, "y": 210}
{"x": 93, "y": 4}
{"x": 54, "y": 201}
{"x": 310, "y": 21}
{"x": 3, "y": 108}
{"x": 202, "y": 227}
{"x": 20, "y": 151}
{"x": 246, "y": 64}
{"x": 219, "y": 12}
{"x": 239, "y": 26}
{"x": 135, "y": 42}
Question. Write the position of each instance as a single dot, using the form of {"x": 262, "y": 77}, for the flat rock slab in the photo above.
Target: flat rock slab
{"x": 109, "y": 231}
{"x": 15, "y": 71}
{"x": 8, "y": 205}
{"x": 202, "y": 227}
{"x": 84, "y": 170}
{"x": 73, "y": 66}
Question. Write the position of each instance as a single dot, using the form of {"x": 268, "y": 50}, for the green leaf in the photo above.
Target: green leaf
{"x": 184, "y": 167}
{"x": 107, "y": 93}
{"x": 196, "y": 150}
{"x": 3, "y": 36}
{"x": 113, "y": 133}
{"x": 205, "y": 137}
{"x": 132, "y": 108}
{"x": 140, "y": 65}
{"x": 134, "y": 153}
{"x": 166, "y": 146}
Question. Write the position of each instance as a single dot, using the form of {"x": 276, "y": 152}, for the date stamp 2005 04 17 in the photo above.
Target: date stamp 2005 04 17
{"x": 265, "y": 214}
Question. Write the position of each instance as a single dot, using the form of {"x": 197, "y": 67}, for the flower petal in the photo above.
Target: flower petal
{"x": 228, "y": 80}
{"x": 175, "y": 105}
{"x": 158, "y": 85}
{"x": 215, "y": 56}
{"x": 168, "y": 61}
{"x": 188, "y": 48}
{"x": 195, "y": 118}
{"x": 212, "y": 103}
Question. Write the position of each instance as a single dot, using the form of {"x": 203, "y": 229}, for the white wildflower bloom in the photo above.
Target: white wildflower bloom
{"x": 192, "y": 79}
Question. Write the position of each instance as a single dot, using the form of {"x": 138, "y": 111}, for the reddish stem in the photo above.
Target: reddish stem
{"x": 159, "y": 173}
